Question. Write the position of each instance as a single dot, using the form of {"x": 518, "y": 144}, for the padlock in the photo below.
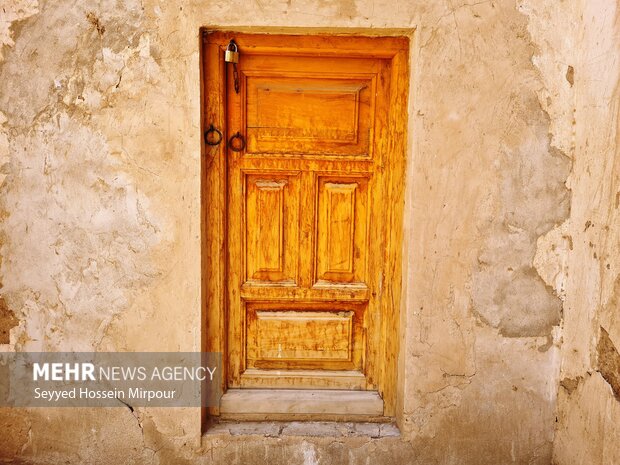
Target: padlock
{"x": 232, "y": 53}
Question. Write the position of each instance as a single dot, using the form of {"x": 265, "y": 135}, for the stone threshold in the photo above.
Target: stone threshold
{"x": 300, "y": 402}
{"x": 332, "y": 429}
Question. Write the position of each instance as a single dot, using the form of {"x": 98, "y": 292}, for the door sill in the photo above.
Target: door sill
{"x": 281, "y": 429}
{"x": 304, "y": 402}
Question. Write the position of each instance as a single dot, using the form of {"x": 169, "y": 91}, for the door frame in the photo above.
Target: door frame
{"x": 214, "y": 331}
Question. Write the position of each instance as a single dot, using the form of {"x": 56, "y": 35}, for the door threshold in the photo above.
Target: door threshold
{"x": 304, "y": 402}
{"x": 280, "y": 429}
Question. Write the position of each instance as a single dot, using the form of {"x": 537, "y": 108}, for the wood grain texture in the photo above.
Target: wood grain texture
{"x": 290, "y": 378}
{"x": 213, "y": 218}
{"x": 271, "y": 225}
{"x": 308, "y": 115}
{"x": 311, "y": 212}
{"x": 313, "y": 336}
{"x": 342, "y": 227}
{"x": 319, "y": 336}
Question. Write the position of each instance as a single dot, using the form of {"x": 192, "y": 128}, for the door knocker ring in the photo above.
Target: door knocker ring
{"x": 240, "y": 146}
{"x": 215, "y": 139}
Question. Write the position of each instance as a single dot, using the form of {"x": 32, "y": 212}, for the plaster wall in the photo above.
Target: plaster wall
{"x": 100, "y": 206}
{"x": 588, "y": 414}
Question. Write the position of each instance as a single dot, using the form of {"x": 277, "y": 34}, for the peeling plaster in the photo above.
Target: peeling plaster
{"x": 608, "y": 360}
{"x": 534, "y": 201}
{"x": 13, "y": 13}
{"x": 86, "y": 253}
{"x": 588, "y": 412}
{"x": 7, "y": 322}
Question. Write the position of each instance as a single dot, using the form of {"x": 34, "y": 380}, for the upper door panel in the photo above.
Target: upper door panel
{"x": 309, "y": 106}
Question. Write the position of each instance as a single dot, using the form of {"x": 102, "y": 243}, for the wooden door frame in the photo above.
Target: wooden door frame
{"x": 213, "y": 182}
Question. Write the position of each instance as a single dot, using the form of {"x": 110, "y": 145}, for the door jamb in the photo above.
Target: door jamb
{"x": 213, "y": 185}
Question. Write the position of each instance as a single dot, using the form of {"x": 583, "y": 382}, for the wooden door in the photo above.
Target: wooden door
{"x": 309, "y": 211}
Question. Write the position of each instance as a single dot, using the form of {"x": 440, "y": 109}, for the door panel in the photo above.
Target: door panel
{"x": 311, "y": 336}
{"x": 271, "y": 227}
{"x": 308, "y": 115}
{"x": 341, "y": 230}
{"x": 305, "y": 336}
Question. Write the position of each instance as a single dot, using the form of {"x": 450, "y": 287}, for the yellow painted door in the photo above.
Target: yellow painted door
{"x": 306, "y": 216}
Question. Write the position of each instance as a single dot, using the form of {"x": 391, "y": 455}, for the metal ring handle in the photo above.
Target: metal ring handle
{"x": 231, "y": 144}
{"x": 215, "y": 141}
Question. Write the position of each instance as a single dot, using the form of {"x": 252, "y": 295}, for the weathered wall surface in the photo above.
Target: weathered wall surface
{"x": 588, "y": 428}
{"x": 100, "y": 201}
